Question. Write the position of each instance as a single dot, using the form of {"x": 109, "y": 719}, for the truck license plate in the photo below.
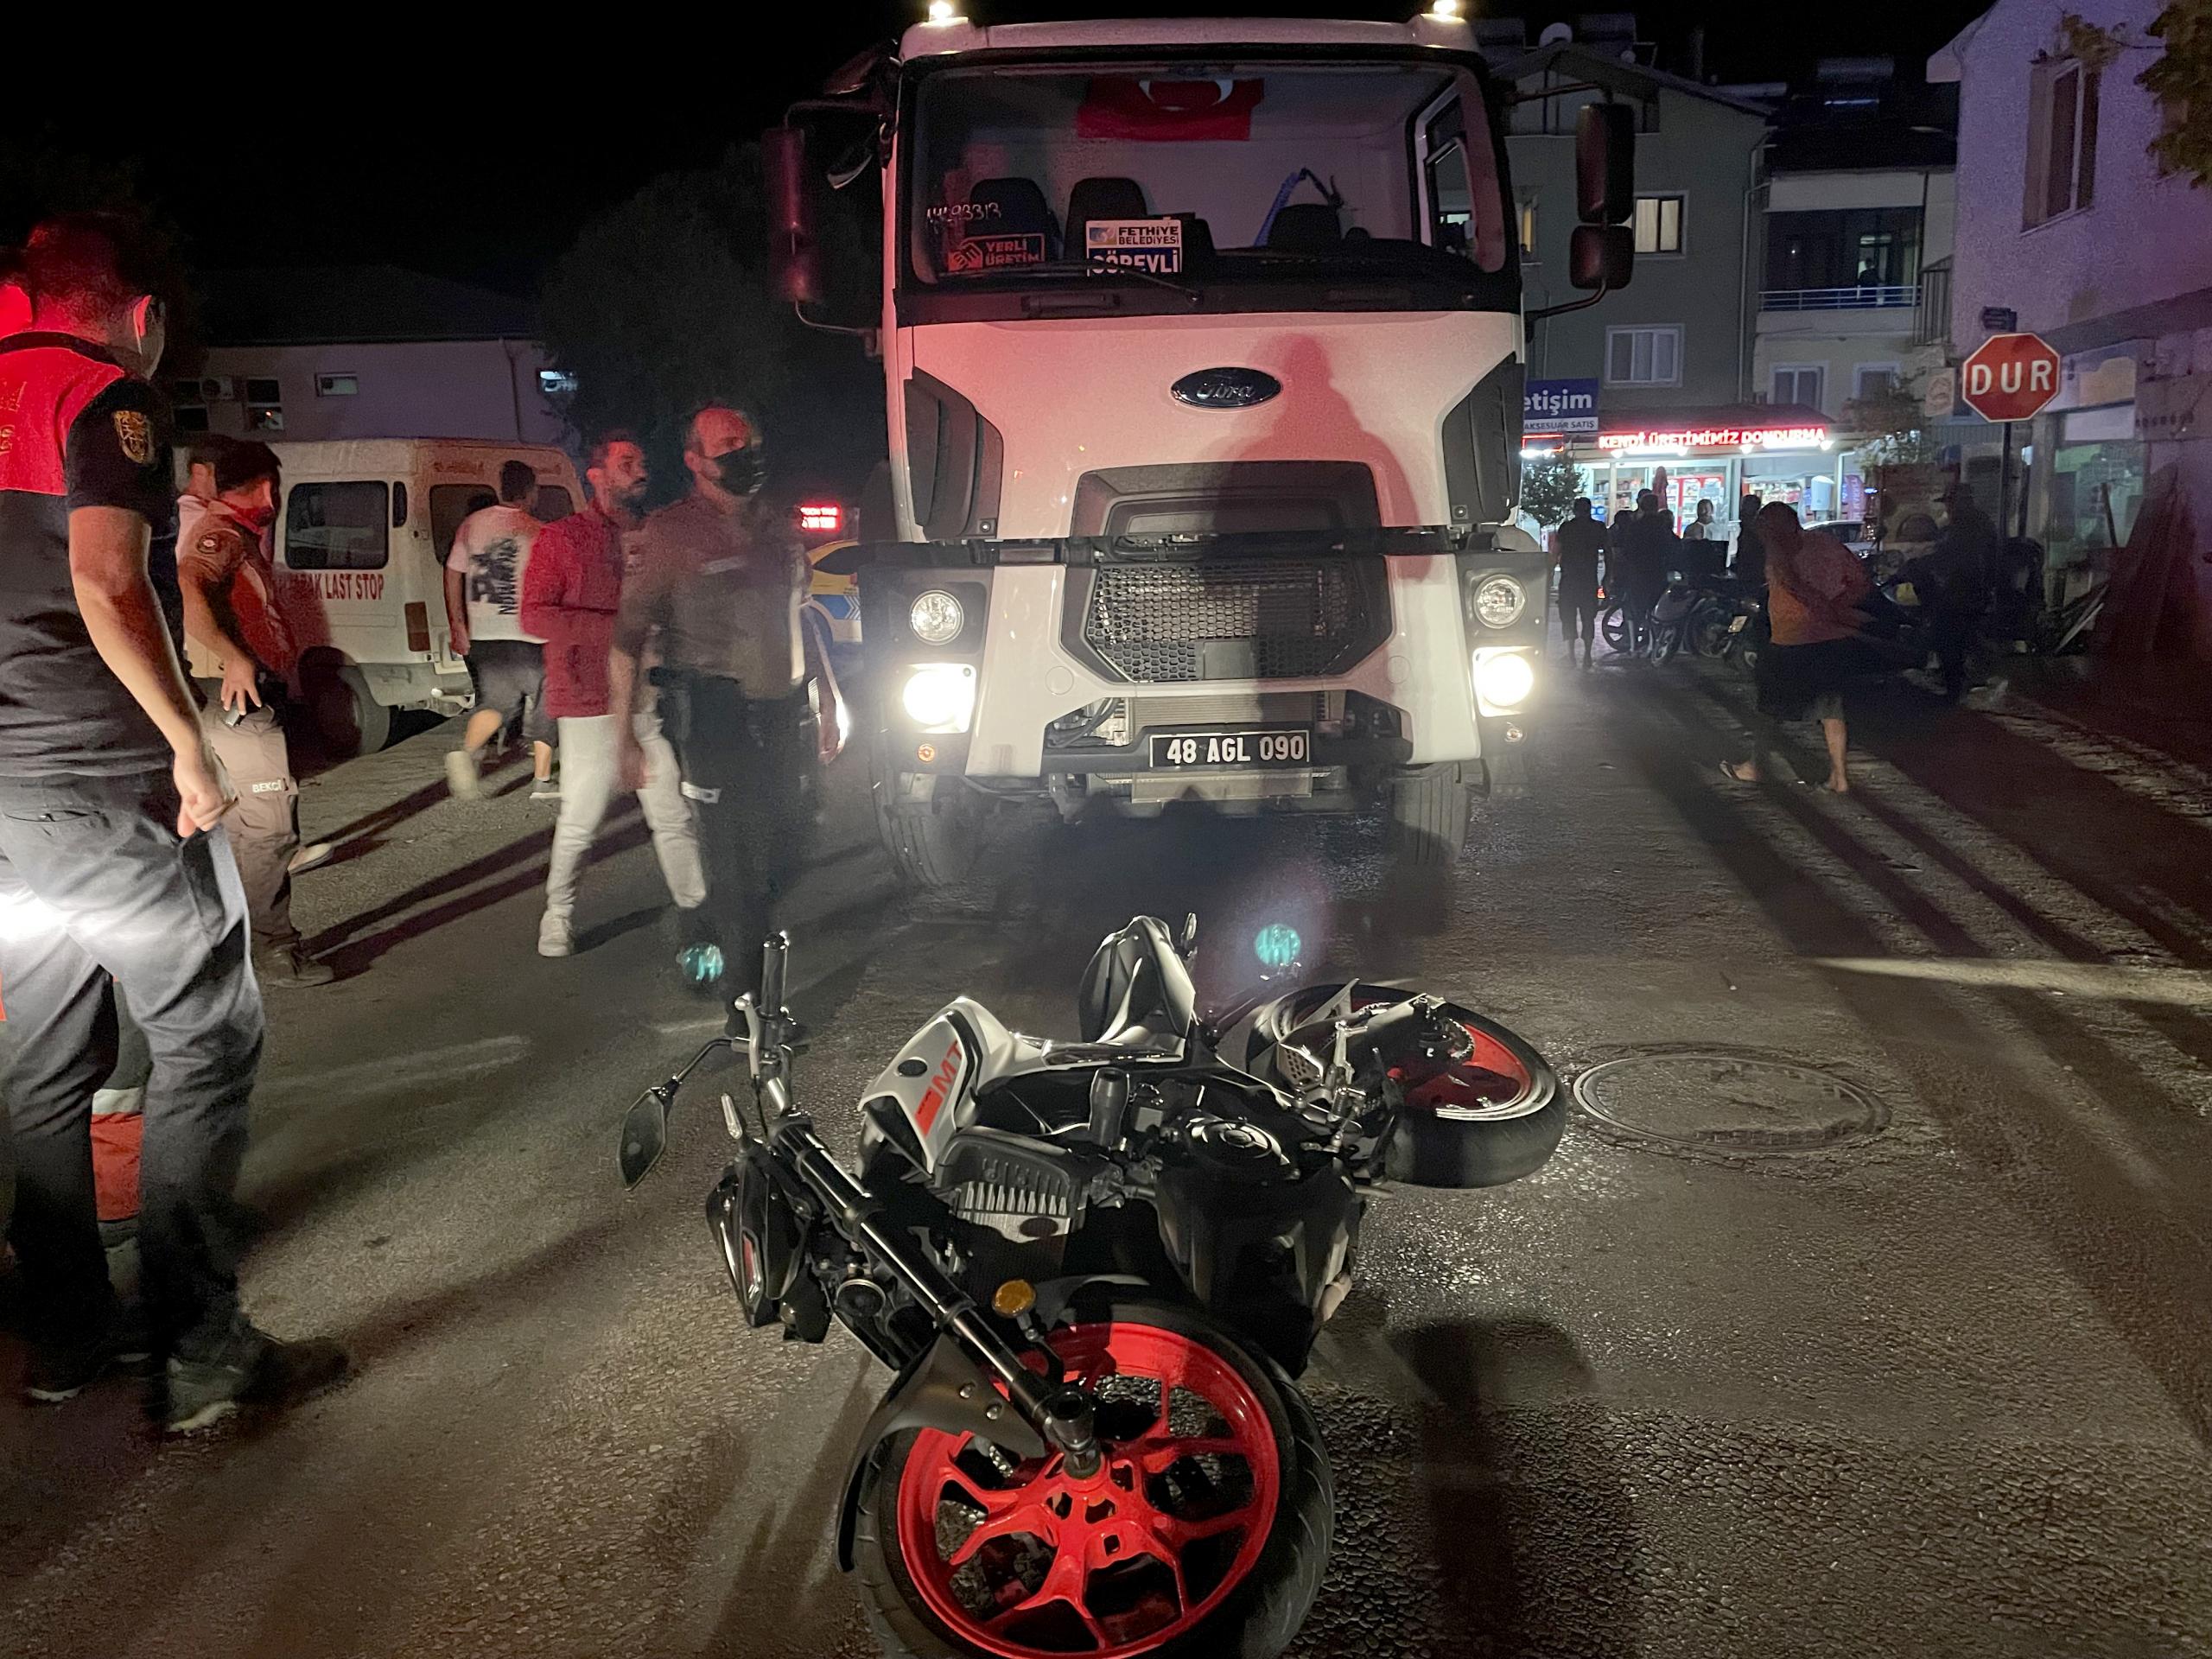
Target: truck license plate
{"x": 1279, "y": 748}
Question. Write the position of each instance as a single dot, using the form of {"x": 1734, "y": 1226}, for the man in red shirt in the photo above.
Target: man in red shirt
{"x": 572, "y": 590}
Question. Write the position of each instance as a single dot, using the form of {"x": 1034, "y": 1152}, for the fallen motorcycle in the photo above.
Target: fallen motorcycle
{"x": 1094, "y": 1269}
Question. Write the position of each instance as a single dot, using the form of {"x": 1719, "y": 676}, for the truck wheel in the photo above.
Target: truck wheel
{"x": 934, "y": 841}
{"x": 1428, "y": 819}
{"x": 349, "y": 720}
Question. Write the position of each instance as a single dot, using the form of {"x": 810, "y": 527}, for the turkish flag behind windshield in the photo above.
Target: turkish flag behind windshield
{"x": 1178, "y": 112}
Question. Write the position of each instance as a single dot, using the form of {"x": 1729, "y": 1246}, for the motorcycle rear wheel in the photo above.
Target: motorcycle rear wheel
{"x": 1206, "y": 1532}
{"x": 1494, "y": 1119}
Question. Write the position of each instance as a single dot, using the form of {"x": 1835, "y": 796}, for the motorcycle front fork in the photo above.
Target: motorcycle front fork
{"x": 1060, "y": 1413}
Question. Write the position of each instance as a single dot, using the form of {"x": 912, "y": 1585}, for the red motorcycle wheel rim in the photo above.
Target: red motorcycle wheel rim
{"x": 1492, "y": 1075}
{"x": 1125, "y": 1562}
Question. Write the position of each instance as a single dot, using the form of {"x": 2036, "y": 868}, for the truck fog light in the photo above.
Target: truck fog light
{"x": 1499, "y": 601}
{"x": 940, "y": 697}
{"x": 936, "y": 618}
{"x": 1504, "y": 680}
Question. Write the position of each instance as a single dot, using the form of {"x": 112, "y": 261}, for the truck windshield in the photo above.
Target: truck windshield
{"x": 1201, "y": 174}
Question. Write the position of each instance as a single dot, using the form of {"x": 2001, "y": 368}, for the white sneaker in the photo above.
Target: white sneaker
{"x": 545, "y": 788}
{"x": 460, "y": 776}
{"x": 554, "y": 937}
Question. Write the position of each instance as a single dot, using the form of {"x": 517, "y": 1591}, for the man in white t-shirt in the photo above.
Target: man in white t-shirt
{"x": 484, "y": 574}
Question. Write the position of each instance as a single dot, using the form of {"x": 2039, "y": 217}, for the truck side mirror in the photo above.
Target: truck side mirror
{"x": 1600, "y": 257}
{"x": 794, "y": 251}
{"x": 1605, "y": 163}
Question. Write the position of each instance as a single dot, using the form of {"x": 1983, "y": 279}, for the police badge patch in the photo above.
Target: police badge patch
{"x": 133, "y": 435}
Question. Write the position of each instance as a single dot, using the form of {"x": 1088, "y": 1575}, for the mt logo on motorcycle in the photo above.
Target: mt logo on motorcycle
{"x": 1095, "y": 1268}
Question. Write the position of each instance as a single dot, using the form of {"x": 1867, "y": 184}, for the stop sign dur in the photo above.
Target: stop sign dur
{"x": 2009, "y": 377}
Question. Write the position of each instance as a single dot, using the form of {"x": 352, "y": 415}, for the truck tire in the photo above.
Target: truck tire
{"x": 347, "y": 718}
{"x": 1428, "y": 819}
{"x": 933, "y": 843}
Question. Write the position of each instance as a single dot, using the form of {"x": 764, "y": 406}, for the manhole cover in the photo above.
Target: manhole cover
{"x": 1728, "y": 1102}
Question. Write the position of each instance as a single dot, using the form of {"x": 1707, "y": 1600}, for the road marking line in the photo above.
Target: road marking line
{"x": 369, "y": 1079}
{"x": 2181, "y": 986}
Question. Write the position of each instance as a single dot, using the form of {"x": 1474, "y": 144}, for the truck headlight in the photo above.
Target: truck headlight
{"x": 1499, "y": 601}
{"x": 1504, "y": 680}
{"x": 940, "y": 697}
{"x": 937, "y": 618}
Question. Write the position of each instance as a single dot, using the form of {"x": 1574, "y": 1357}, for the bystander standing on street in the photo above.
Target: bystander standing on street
{"x": 1579, "y": 541}
{"x": 1749, "y": 563}
{"x": 191, "y": 507}
{"x": 717, "y": 584}
{"x": 1960, "y": 576}
{"x": 1641, "y": 548}
{"x": 230, "y": 614}
{"x": 571, "y": 596}
{"x": 1813, "y": 585}
{"x": 484, "y": 579}
{"x": 115, "y": 871}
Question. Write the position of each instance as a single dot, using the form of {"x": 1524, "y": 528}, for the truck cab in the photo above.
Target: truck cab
{"x": 1203, "y": 344}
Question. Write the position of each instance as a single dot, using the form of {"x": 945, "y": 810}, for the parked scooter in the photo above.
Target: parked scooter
{"x": 1094, "y": 1269}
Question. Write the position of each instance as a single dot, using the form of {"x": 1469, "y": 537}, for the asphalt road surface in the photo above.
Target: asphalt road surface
{"x": 1904, "y": 1348}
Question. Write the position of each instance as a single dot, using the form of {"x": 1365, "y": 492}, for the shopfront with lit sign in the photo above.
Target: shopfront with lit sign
{"x": 1777, "y": 453}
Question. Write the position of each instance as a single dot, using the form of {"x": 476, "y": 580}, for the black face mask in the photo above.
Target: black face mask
{"x": 743, "y": 471}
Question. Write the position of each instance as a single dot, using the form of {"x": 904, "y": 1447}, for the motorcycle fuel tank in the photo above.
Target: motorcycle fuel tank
{"x": 932, "y": 1083}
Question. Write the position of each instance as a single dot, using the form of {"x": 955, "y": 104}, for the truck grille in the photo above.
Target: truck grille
{"x": 1235, "y": 620}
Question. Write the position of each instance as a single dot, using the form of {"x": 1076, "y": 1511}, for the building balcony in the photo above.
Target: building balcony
{"x": 1870, "y": 297}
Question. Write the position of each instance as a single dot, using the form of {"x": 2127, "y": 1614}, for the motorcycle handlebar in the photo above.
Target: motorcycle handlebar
{"x": 775, "y": 959}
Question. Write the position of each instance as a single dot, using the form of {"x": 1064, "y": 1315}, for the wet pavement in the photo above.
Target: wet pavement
{"x": 1903, "y": 1349}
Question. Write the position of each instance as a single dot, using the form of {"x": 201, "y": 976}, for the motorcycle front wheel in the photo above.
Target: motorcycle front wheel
{"x": 1206, "y": 1531}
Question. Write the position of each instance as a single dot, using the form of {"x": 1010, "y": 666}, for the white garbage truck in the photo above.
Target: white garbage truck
{"x": 1203, "y": 342}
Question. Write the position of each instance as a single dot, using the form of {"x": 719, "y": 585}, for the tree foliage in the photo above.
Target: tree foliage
{"x": 1894, "y": 424}
{"x": 2181, "y": 80}
{"x": 1548, "y": 488}
{"x": 663, "y": 303}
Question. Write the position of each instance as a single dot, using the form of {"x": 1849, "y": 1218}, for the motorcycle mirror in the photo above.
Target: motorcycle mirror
{"x": 644, "y": 1137}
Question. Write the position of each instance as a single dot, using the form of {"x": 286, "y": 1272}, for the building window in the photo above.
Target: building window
{"x": 1875, "y": 381}
{"x": 264, "y": 405}
{"x": 1645, "y": 357}
{"x": 1873, "y": 248}
{"x": 1800, "y": 383}
{"x": 337, "y": 526}
{"x": 1527, "y": 216}
{"x": 1659, "y": 224}
{"x": 337, "y": 385}
{"x": 2061, "y": 140}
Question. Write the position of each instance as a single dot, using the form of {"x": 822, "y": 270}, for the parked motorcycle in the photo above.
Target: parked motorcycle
{"x": 1094, "y": 1269}
{"x": 1693, "y": 615}
{"x": 1747, "y": 631}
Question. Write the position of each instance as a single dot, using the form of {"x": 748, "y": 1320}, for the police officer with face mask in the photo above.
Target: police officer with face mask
{"x": 715, "y": 584}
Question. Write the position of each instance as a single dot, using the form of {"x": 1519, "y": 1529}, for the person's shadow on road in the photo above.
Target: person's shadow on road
{"x": 1529, "y": 1530}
